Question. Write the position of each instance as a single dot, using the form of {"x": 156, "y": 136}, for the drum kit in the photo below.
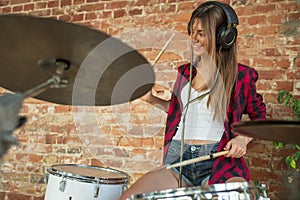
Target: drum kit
{"x": 45, "y": 56}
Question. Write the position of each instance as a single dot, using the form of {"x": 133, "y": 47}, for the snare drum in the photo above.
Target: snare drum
{"x": 81, "y": 182}
{"x": 226, "y": 191}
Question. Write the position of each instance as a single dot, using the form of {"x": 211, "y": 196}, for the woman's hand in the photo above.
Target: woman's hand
{"x": 237, "y": 146}
{"x": 158, "y": 96}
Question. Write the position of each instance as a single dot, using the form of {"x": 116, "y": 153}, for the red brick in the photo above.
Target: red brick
{"x": 262, "y": 62}
{"x": 62, "y": 109}
{"x": 117, "y": 5}
{"x": 266, "y": 8}
{"x": 65, "y": 18}
{"x": 65, "y": 3}
{"x": 147, "y": 142}
{"x": 39, "y": 198}
{"x": 2, "y": 195}
{"x": 4, "y": 3}
{"x": 277, "y": 18}
{"x": 78, "y": 2}
{"x": 289, "y": 6}
{"x": 35, "y": 158}
{"x": 12, "y": 2}
{"x": 96, "y": 162}
{"x": 125, "y": 141}
{"x": 280, "y": 111}
{"x": 52, "y": 4}
{"x": 271, "y": 74}
{"x": 113, "y": 163}
{"x": 284, "y": 85}
{"x": 119, "y": 13}
{"x": 135, "y": 12}
{"x": 92, "y": 1}
{"x": 261, "y": 162}
{"x": 90, "y": 16}
{"x": 41, "y": 5}
{"x": 263, "y": 175}
{"x": 91, "y": 7}
{"x": 17, "y": 8}
{"x": 77, "y": 17}
{"x": 73, "y": 140}
{"x": 6, "y": 10}
{"x": 283, "y": 63}
{"x": 28, "y": 7}
{"x": 255, "y": 20}
{"x": 106, "y": 14}
{"x": 18, "y": 196}
{"x": 265, "y": 85}
{"x": 39, "y": 13}
{"x": 293, "y": 74}
{"x": 269, "y": 30}
{"x": 142, "y": 2}
{"x": 169, "y": 9}
{"x": 297, "y": 62}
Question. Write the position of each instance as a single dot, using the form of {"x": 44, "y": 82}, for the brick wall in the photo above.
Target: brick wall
{"x": 129, "y": 137}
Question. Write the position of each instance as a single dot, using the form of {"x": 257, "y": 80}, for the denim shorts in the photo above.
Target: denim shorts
{"x": 194, "y": 174}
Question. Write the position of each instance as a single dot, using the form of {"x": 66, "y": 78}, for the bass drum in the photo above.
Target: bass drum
{"x": 81, "y": 182}
{"x": 226, "y": 191}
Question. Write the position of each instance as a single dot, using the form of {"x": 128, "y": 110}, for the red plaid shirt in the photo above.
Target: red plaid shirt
{"x": 245, "y": 100}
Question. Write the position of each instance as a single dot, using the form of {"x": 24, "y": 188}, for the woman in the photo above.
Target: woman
{"x": 208, "y": 96}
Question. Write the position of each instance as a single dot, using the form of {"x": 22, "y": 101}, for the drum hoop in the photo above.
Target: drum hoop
{"x": 198, "y": 190}
{"x": 89, "y": 179}
{"x": 170, "y": 193}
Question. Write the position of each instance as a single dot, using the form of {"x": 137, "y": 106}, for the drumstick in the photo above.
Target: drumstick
{"x": 163, "y": 49}
{"x": 194, "y": 160}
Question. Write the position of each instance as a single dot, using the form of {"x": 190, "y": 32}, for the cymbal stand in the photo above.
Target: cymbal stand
{"x": 10, "y": 104}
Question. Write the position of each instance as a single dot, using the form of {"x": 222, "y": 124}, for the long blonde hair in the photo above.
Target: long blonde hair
{"x": 212, "y": 17}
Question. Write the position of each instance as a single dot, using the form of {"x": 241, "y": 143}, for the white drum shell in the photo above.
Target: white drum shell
{"x": 81, "y": 190}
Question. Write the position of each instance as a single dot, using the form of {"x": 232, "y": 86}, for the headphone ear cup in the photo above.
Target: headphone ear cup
{"x": 226, "y": 36}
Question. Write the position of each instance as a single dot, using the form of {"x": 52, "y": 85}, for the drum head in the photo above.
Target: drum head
{"x": 89, "y": 173}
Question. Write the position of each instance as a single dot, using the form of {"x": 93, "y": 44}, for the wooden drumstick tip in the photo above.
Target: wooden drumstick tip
{"x": 202, "y": 158}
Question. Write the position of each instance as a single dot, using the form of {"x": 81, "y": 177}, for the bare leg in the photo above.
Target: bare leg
{"x": 236, "y": 179}
{"x": 153, "y": 181}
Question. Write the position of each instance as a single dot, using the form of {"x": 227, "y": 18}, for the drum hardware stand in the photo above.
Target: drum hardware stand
{"x": 10, "y": 104}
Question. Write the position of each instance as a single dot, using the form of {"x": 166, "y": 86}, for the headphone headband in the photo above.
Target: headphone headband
{"x": 226, "y": 33}
{"x": 228, "y": 10}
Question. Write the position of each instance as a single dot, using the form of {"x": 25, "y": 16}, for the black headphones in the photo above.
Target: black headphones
{"x": 226, "y": 34}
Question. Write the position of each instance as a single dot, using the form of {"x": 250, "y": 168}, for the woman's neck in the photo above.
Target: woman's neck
{"x": 198, "y": 83}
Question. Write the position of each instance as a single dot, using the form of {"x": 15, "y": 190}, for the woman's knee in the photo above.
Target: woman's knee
{"x": 236, "y": 179}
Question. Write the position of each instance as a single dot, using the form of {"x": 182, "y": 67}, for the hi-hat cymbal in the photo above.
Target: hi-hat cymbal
{"x": 103, "y": 70}
{"x": 274, "y": 130}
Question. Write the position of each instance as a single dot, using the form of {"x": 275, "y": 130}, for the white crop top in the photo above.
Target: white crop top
{"x": 199, "y": 124}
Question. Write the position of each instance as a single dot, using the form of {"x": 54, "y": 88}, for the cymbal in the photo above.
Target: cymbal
{"x": 274, "y": 130}
{"x": 102, "y": 69}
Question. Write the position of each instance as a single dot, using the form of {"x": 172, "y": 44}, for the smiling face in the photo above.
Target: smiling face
{"x": 199, "y": 38}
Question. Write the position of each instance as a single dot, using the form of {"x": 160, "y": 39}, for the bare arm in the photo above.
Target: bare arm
{"x": 158, "y": 96}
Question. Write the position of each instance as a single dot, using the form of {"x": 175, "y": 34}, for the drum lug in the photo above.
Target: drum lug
{"x": 124, "y": 188}
{"x": 62, "y": 184}
{"x": 46, "y": 178}
{"x": 96, "y": 189}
